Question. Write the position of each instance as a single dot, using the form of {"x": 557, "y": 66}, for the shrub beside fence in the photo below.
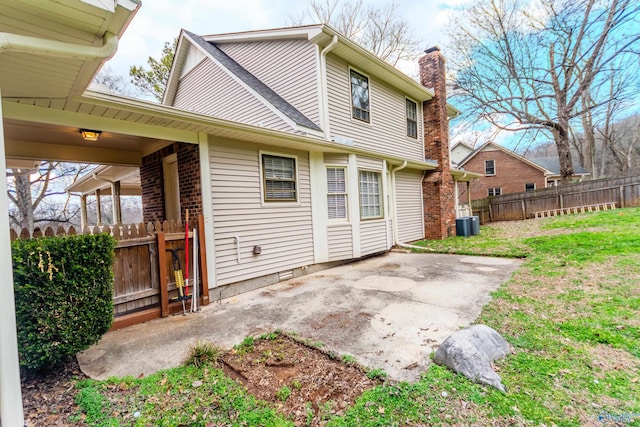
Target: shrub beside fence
{"x": 624, "y": 192}
{"x": 64, "y": 295}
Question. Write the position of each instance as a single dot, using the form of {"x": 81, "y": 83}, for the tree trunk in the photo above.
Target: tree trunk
{"x": 24, "y": 202}
{"x": 561, "y": 137}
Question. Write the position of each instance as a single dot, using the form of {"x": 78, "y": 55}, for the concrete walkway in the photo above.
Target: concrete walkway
{"x": 389, "y": 312}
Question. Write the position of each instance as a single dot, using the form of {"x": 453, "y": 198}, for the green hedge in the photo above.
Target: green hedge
{"x": 64, "y": 295}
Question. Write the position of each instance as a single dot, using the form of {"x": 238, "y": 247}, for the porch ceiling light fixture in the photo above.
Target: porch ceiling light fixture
{"x": 90, "y": 135}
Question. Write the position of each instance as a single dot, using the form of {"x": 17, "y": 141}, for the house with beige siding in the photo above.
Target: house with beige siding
{"x": 375, "y": 178}
{"x": 298, "y": 147}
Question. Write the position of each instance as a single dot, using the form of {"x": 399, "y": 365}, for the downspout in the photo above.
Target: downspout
{"x": 43, "y": 47}
{"x": 325, "y": 89}
{"x": 396, "y": 239}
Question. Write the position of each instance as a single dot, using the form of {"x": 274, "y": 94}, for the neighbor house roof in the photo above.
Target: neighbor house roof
{"x": 495, "y": 146}
{"x": 552, "y": 163}
{"x": 252, "y": 81}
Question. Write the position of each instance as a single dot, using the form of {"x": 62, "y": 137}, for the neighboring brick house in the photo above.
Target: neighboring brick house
{"x": 503, "y": 171}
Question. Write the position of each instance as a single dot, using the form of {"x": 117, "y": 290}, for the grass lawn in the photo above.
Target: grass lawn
{"x": 571, "y": 312}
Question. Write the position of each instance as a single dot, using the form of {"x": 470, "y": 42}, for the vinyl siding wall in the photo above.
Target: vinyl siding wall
{"x": 409, "y": 205}
{"x": 282, "y": 230}
{"x": 374, "y": 236}
{"x": 387, "y": 131}
{"x": 293, "y": 75}
{"x": 207, "y": 89}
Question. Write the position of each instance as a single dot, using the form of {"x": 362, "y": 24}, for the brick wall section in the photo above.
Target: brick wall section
{"x": 189, "y": 175}
{"x": 438, "y": 191}
{"x": 152, "y": 180}
{"x": 511, "y": 174}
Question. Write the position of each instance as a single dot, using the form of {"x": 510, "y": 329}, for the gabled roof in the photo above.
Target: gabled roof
{"x": 495, "y": 146}
{"x": 321, "y": 35}
{"x": 253, "y": 82}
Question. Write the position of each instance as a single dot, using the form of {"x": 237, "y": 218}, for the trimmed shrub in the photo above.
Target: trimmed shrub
{"x": 64, "y": 295}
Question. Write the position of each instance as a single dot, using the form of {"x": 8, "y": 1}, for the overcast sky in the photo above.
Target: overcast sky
{"x": 158, "y": 21}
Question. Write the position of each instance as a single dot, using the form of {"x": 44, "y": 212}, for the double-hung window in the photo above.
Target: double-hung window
{"x": 489, "y": 167}
{"x": 359, "y": 96}
{"x": 279, "y": 178}
{"x": 412, "y": 119}
{"x": 494, "y": 191}
{"x": 529, "y": 186}
{"x": 370, "y": 195}
{"x": 337, "y": 192}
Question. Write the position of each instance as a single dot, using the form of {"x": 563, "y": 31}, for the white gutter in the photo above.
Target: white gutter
{"x": 43, "y": 47}
{"x": 325, "y": 90}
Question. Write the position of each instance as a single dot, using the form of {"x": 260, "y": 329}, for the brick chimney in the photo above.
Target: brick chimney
{"x": 438, "y": 194}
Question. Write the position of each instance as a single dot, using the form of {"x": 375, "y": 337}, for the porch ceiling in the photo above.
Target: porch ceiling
{"x": 42, "y": 141}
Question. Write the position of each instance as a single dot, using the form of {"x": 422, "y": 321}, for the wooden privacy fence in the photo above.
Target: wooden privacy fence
{"x": 141, "y": 288}
{"x": 622, "y": 192}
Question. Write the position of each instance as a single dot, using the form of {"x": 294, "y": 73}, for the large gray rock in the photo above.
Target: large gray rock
{"x": 471, "y": 351}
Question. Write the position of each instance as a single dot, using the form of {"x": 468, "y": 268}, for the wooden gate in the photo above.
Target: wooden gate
{"x": 141, "y": 288}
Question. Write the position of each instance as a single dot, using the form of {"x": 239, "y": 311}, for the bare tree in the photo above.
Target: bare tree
{"x": 38, "y": 196}
{"x": 538, "y": 65}
{"x": 114, "y": 83}
{"x": 378, "y": 29}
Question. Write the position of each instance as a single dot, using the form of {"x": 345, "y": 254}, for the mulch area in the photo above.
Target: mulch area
{"x": 48, "y": 398}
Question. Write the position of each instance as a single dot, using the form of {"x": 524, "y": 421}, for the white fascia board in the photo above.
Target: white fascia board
{"x": 31, "y": 113}
{"x": 303, "y": 32}
{"x": 176, "y": 68}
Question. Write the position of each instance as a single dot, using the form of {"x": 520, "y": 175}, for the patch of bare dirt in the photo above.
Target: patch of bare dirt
{"x": 304, "y": 383}
{"x": 48, "y": 398}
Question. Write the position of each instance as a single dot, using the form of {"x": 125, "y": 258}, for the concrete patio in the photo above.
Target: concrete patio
{"x": 389, "y": 312}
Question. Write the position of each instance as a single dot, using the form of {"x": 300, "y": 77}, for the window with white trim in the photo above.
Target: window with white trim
{"x": 337, "y": 192}
{"x": 359, "y": 96}
{"x": 495, "y": 191}
{"x": 412, "y": 118}
{"x": 279, "y": 178}
{"x": 489, "y": 167}
{"x": 370, "y": 194}
{"x": 529, "y": 186}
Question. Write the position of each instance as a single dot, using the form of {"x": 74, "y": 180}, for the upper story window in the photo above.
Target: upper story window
{"x": 412, "y": 119}
{"x": 370, "y": 195}
{"x": 337, "y": 192}
{"x": 489, "y": 167}
{"x": 279, "y": 178}
{"x": 529, "y": 186}
{"x": 359, "y": 96}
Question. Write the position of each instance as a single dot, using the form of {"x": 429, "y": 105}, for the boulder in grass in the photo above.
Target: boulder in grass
{"x": 471, "y": 352}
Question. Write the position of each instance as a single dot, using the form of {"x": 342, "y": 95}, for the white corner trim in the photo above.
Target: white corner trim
{"x": 354, "y": 204}
{"x": 319, "y": 209}
{"x": 207, "y": 208}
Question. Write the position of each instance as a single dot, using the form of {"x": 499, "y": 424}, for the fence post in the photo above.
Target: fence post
{"x": 524, "y": 212}
{"x": 622, "y": 196}
{"x": 490, "y": 213}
